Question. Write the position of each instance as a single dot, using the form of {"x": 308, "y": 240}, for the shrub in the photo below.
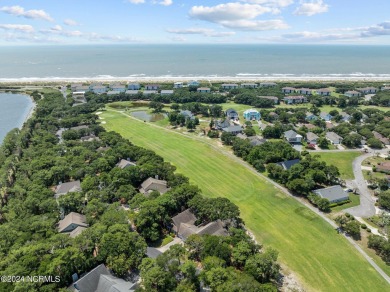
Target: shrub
{"x": 363, "y": 226}
{"x": 368, "y": 230}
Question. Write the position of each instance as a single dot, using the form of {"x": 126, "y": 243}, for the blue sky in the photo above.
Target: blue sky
{"x": 188, "y": 21}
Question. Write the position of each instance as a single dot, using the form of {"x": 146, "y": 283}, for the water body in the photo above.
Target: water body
{"x": 145, "y": 116}
{"x": 197, "y": 61}
{"x": 14, "y": 109}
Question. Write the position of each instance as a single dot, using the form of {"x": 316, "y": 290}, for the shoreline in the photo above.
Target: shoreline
{"x": 166, "y": 79}
{"x": 30, "y": 112}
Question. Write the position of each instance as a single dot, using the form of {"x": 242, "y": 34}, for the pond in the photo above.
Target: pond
{"x": 145, "y": 116}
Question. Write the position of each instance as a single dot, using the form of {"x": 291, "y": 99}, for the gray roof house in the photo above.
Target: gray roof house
{"x": 187, "y": 114}
{"x": 77, "y": 231}
{"x": 295, "y": 99}
{"x": 256, "y": 141}
{"x": 184, "y": 226}
{"x": 69, "y": 187}
{"x": 153, "y": 184}
{"x": 333, "y": 138}
{"x": 346, "y": 117}
{"x": 125, "y": 163}
{"x": 71, "y": 222}
{"x": 229, "y": 86}
{"x": 311, "y": 138}
{"x": 233, "y": 129}
{"x": 249, "y": 85}
{"x": 101, "y": 280}
{"x": 222, "y": 124}
{"x": 352, "y": 93}
{"x": 334, "y": 194}
{"x": 324, "y": 92}
{"x": 288, "y": 163}
{"x": 231, "y": 114}
{"x": 292, "y": 136}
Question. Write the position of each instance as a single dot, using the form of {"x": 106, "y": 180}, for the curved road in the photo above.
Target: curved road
{"x": 283, "y": 189}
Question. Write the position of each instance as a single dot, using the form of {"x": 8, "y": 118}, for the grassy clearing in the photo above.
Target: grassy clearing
{"x": 343, "y": 160}
{"x": 322, "y": 259}
{"x": 355, "y": 201}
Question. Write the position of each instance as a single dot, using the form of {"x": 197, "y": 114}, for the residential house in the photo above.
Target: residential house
{"x": 367, "y": 90}
{"x": 381, "y": 138}
{"x": 287, "y": 90}
{"x": 329, "y": 125}
{"x": 93, "y": 85}
{"x": 233, "y": 129}
{"x": 82, "y": 88}
{"x": 346, "y": 117}
{"x": 324, "y": 92}
{"x": 252, "y": 114}
{"x": 229, "y": 86}
{"x": 153, "y": 184}
{"x": 132, "y": 92}
{"x": 71, "y": 222}
{"x": 178, "y": 85}
{"x": 311, "y": 138}
{"x": 305, "y": 91}
{"x": 352, "y": 93}
{"x": 166, "y": 92}
{"x": 152, "y": 87}
{"x": 184, "y": 226}
{"x": 294, "y": 99}
{"x": 89, "y": 138}
{"x": 333, "y": 138}
{"x": 187, "y": 114}
{"x": 385, "y": 88}
{"x": 99, "y": 89}
{"x": 334, "y": 194}
{"x": 383, "y": 167}
{"x": 292, "y": 137}
{"x": 256, "y": 140}
{"x": 203, "y": 90}
{"x": 288, "y": 163}
{"x": 122, "y": 164}
{"x": 77, "y": 231}
{"x": 267, "y": 84}
{"x": 249, "y": 85}
{"x": 193, "y": 83}
{"x": 273, "y": 98}
{"x": 69, "y": 187}
{"x": 241, "y": 136}
{"x": 118, "y": 87}
{"x": 311, "y": 117}
{"x": 149, "y": 92}
{"x": 73, "y": 87}
{"x": 231, "y": 114}
{"x": 100, "y": 279}
{"x": 78, "y": 95}
{"x": 133, "y": 86}
{"x": 222, "y": 124}
{"x": 308, "y": 126}
{"x": 113, "y": 92}
{"x": 325, "y": 116}
{"x": 273, "y": 115}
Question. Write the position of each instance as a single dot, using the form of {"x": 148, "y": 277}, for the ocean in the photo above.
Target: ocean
{"x": 89, "y": 62}
{"x": 14, "y": 108}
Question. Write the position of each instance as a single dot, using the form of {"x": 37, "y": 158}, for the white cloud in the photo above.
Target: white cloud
{"x": 71, "y": 22}
{"x": 202, "y": 31}
{"x": 311, "y": 8}
{"x": 137, "y": 1}
{"x": 32, "y": 14}
{"x": 256, "y": 25}
{"x": 272, "y": 3}
{"x": 17, "y": 27}
{"x": 165, "y": 2}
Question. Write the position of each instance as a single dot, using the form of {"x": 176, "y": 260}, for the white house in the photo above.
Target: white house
{"x": 292, "y": 137}
{"x": 287, "y": 90}
{"x": 367, "y": 90}
{"x": 352, "y": 93}
{"x": 333, "y": 138}
{"x": 203, "y": 90}
{"x": 324, "y": 92}
{"x": 306, "y": 91}
{"x": 178, "y": 85}
{"x": 295, "y": 99}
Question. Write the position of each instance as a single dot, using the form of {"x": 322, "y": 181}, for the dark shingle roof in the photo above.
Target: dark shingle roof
{"x": 288, "y": 163}
{"x": 184, "y": 217}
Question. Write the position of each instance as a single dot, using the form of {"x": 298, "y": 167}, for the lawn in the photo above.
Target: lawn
{"x": 308, "y": 246}
{"x": 343, "y": 161}
{"x": 355, "y": 201}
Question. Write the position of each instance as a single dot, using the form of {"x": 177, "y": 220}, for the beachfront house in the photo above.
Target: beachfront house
{"x": 367, "y": 90}
{"x": 252, "y": 114}
{"x": 305, "y": 91}
{"x": 193, "y": 83}
{"x": 133, "y": 86}
{"x": 229, "y": 86}
{"x": 325, "y": 116}
{"x": 249, "y": 85}
{"x": 82, "y": 88}
{"x": 334, "y": 194}
{"x": 333, "y": 138}
{"x": 231, "y": 114}
{"x": 152, "y": 87}
{"x": 294, "y": 99}
{"x": 287, "y": 90}
{"x": 292, "y": 137}
{"x": 267, "y": 84}
{"x": 203, "y": 90}
{"x": 311, "y": 138}
{"x": 273, "y": 98}
{"x": 178, "y": 85}
{"x": 310, "y": 117}
{"x": 118, "y": 87}
{"x": 166, "y": 92}
{"x": 99, "y": 89}
{"x": 352, "y": 93}
{"x": 324, "y": 92}
{"x": 73, "y": 87}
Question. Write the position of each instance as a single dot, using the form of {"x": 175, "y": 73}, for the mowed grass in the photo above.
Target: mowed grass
{"x": 342, "y": 160}
{"x": 322, "y": 259}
